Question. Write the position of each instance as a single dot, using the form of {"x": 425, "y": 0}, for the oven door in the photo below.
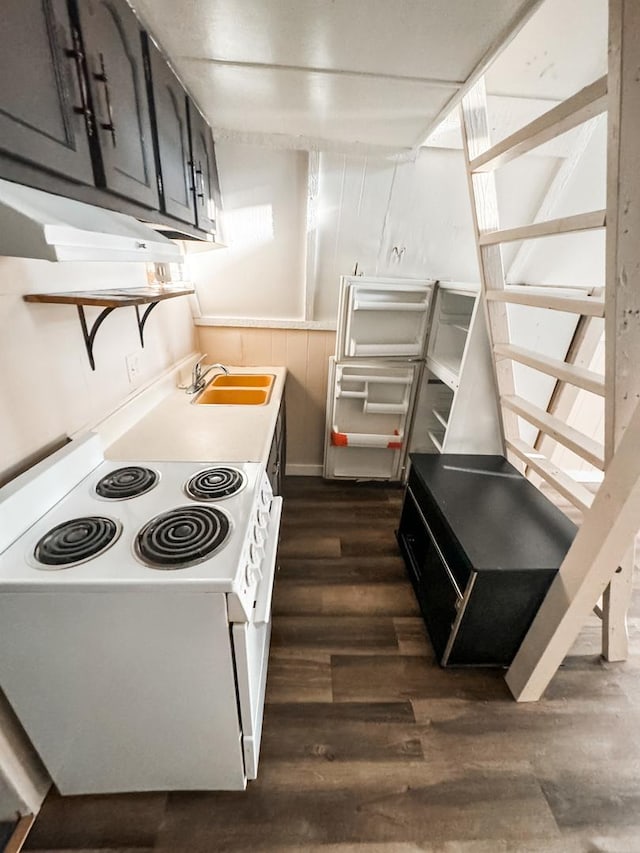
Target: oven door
{"x": 251, "y": 650}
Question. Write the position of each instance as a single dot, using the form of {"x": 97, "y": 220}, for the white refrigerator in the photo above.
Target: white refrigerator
{"x": 374, "y": 376}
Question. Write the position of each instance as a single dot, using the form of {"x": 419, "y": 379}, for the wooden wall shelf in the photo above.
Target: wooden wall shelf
{"x": 109, "y": 300}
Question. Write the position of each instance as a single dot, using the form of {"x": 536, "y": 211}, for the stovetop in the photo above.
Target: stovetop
{"x": 184, "y": 506}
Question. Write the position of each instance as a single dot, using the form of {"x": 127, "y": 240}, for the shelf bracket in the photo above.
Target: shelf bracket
{"x": 142, "y": 320}
{"x": 90, "y": 336}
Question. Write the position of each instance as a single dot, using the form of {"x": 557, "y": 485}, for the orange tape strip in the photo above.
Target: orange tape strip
{"x": 339, "y": 439}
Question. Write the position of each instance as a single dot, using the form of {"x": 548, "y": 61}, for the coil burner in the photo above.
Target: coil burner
{"x": 182, "y": 537}
{"x": 215, "y": 483}
{"x": 127, "y": 482}
{"x": 76, "y": 541}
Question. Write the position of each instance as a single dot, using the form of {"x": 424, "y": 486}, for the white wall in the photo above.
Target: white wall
{"x": 47, "y": 387}
{"x": 366, "y": 206}
{"x": 261, "y": 272}
{"x": 362, "y": 206}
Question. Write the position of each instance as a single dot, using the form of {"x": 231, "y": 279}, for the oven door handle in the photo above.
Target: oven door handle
{"x": 262, "y": 610}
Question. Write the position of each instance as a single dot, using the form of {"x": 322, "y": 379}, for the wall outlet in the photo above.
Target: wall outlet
{"x": 133, "y": 368}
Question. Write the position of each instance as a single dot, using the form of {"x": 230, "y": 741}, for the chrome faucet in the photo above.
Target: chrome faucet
{"x": 198, "y": 376}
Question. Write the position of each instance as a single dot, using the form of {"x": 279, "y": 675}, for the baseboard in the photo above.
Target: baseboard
{"x": 294, "y": 470}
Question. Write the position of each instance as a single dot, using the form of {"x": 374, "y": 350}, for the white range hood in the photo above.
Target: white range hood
{"x": 35, "y": 224}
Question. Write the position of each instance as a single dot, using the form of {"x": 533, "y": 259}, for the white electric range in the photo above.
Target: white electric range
{"x": 135, "y": 603}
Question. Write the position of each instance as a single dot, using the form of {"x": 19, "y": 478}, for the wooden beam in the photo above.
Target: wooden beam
{"x": 592, "y": 560}
{"x": 574, "y": 492}
{"x": 474, "y": 122}
{"x": 527, "y": 295}
{"x": 578, "y": 376}
{"x": 576, "y": 441}
{"x": 584, "y": 105}
{"x": 19, "y": 834}
{"x": 622, "y": 323}
{"x": 549, "y": 228}
{"x": 582, "y": 349}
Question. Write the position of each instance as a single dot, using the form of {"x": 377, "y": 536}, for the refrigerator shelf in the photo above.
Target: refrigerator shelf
{"x": 406, "y": 379}
{"x": 357, "y": 350}
{"x": 436, "y": 439}
{"x": 363, "y": 439}
{"x": 369, "y": 305}
{"x": 447, "y": 371}
{"x": 386, "y": 408}
{"x": 440, "y": 418}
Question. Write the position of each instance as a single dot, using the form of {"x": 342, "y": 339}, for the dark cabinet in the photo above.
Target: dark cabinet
{"x": 205, "y": 172}
{"x": 277, "y": 461}
{"x": 43, "y": 103}
{"x": 482, "y": 546}
{"x": 115, "y": 66}
{"x": 173, "y": 150}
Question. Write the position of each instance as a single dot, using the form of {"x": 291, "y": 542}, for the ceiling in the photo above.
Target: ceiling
{"x": 329, "y": 73}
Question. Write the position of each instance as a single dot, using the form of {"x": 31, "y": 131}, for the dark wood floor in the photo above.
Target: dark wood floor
{"x": 369, "y": 747}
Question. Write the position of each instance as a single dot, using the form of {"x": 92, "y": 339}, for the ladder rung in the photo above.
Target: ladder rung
{"x": 575, "y": 375}
{"x": 549, "y": 228}
{"x": 574, "y": 492}
{"x": 585, "y": 447}
{"x": 573, "y": 305}
{"x": 584, "y": 105}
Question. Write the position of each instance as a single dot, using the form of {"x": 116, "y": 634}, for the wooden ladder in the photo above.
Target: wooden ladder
{"x": 535, "y": 665}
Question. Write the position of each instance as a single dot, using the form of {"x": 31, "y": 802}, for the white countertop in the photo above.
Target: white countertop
{"x": 177, "y": 429}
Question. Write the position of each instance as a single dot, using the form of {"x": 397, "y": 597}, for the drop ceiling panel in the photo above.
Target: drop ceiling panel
{"x": 421, "y": 38}
{"x": 331, "y": 58}
{"x": 301, "y": 103}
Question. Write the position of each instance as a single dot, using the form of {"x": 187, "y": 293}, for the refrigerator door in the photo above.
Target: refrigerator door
{"x": 382, "y": 318}
{"x": 368, "y": 409}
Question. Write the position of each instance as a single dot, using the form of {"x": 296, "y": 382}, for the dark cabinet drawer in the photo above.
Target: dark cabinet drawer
{"x": 455, "y": 558}
{"x": 434, "y": 585}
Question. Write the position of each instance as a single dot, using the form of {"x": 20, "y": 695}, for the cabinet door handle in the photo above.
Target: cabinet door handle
{"x": 77, "y": 55}
{"x": 193, "y": 172}
{"x": 200, "y": 181}
{"x": 101, "y": 77}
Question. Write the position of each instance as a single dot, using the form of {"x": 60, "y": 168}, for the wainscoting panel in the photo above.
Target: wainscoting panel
{"x": 305, "y": 353}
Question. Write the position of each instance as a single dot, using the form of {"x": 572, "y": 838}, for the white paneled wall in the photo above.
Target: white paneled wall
{"x": 407, "y": 218}
{"x": 305, "y": 354}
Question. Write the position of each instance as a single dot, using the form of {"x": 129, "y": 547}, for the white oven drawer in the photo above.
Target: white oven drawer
{"x": 251, "y": 651}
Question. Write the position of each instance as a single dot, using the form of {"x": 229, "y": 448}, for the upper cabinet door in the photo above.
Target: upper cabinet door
{"x": 43, "y": 107}
{"x": 169, "y": 101}
{"x": 112, "y": 40}
{"x": 206, "y": 187}
{"x": 380, "y": 317}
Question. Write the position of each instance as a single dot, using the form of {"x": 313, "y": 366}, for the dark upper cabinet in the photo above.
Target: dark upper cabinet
{"x": 43, "y": 105}
{"x": 173, "y": 152}
{"x": 115, "y": 65}
{"x": 203, "y": 157}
